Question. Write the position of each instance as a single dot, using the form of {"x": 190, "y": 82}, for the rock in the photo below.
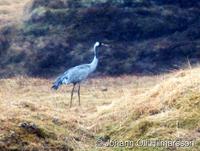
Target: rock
{"x": 34, "y": 129}
{"x": 104, "y": 89}
{"x": 56, "y": 120}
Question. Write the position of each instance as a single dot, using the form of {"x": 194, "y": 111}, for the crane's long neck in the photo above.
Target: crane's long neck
{"x": 94, "y": 63}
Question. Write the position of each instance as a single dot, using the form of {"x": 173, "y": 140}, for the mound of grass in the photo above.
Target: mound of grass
{"x": 177, "y": 115}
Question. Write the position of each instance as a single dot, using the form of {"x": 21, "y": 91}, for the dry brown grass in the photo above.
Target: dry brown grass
{"x": 32, "y": 100}
{"x": 170, "y": 110}
{"x": 110, "y": 106}
{"x": 11, "y": 11}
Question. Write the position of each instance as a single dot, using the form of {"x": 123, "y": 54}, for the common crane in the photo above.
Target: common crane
{"x": 78, "y": 73}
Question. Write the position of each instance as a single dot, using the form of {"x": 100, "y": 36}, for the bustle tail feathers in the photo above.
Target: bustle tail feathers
{"x": 55, "y": 87}
{"x": 57, "y": 84}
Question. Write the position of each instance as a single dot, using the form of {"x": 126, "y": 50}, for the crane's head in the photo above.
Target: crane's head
{"x": 98, "y": 44}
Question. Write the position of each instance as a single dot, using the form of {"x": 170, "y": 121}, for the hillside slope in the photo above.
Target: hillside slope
{"x": 144, "y": 36}
{"x": 124, "y": 108}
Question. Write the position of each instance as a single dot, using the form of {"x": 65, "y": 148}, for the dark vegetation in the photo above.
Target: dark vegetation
{"x": 145, "y": 36}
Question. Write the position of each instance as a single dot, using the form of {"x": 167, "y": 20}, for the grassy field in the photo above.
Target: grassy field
{"x": 121, "y": 108}
{"x": 31, "y": 100}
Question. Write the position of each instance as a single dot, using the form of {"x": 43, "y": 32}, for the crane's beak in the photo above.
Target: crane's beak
{"x": 106, "y": 45}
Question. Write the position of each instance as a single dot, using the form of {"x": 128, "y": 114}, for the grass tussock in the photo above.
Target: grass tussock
{"x": 169, "y": 110}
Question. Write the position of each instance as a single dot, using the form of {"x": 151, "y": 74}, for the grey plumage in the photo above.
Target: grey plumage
{"x": 77, "y": 74}
{"x": 72, "y": 75}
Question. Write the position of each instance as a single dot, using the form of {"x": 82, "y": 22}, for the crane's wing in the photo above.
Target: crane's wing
{"x": 78, "y": 73}
{"x": 72, "y": 75}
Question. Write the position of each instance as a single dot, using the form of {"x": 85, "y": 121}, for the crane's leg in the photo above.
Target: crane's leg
{"x": 72, "y": 95}
{"x": 79, "y": 98}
